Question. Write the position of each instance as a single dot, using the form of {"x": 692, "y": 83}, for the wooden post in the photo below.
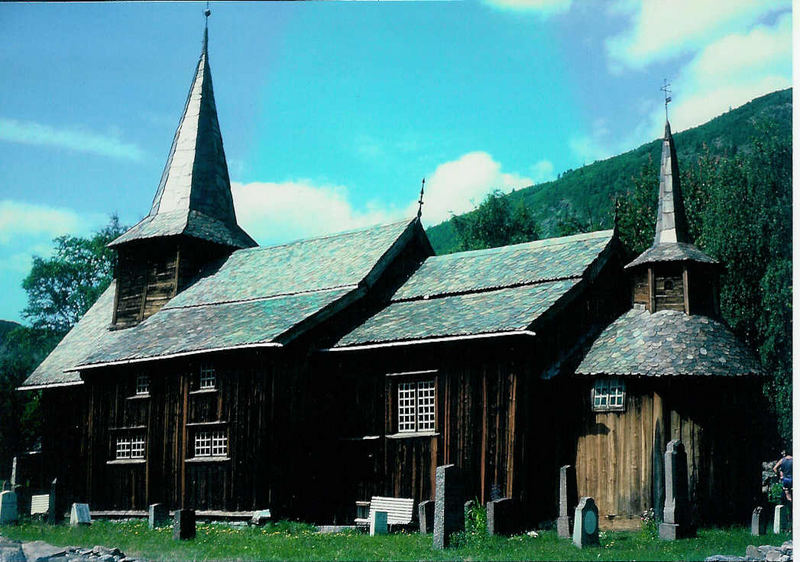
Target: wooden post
{"x": 184, "y": 435}
{"x": 686, "y": 289}
{"x": 651, "y": 284}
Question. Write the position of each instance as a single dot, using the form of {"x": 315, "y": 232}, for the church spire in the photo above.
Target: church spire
{"x": 671, "y": 225}
{"x": 194, "y": 194}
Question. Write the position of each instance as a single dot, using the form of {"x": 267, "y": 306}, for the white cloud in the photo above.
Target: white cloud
{"x": 459, "y": 185}
{"x": 541, "y": 7}
{"x": 24, "y": 220}
{"x": 663, "y": 29}
{"x": 75, "y": 138}
{"x": 543, "y": 171}
{"x": 278, "y": 212}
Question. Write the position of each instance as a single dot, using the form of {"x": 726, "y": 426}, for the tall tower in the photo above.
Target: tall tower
{"x": 673, "y": 274}
{"x": 192, "y": 219}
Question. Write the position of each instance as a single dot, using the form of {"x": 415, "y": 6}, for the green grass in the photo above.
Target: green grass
{"x": 295, "y": 541}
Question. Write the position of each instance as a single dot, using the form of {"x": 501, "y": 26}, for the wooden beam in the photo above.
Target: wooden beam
{"x": 651, "y": 284}
{"x": 686, "y": 289}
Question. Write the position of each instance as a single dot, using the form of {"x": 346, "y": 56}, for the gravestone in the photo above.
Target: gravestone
{"x": 567, "y": 500}
{"x": 184, "y": 527}
{"x": 676, "y": 523}
{"x": 14, "y": 476}
{"x": 500, "y": 517}
{"x": 758, "y": 523}
{"x": 261, "y": 517}
{"x": 378, "y": 523}
{"x": 23, "y": 499}
{"x": 53, "y": 516}
{"x": 8, "y": 508}
{"x": 585, "y": 531}
{"x": 79, "y": 515}
{"x": 158, "y": 516}
{"x": 426, "y": 516}
{"x": 449, "y": 510}
{"x": 781, "y": 522}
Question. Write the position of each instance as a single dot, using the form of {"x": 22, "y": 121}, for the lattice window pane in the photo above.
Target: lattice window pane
{"x": 406, "y": 406}
{"x": 142, "y": 384}
{"x": 208, "y": 377}
{"x": 608, "y": 395}
{"x": 123, "y": 448}
{"x": 202, "y": 444}
{"x": 137, "y": 447}
{"x": 426, "y": 406}
{"x": 219, "y": 444}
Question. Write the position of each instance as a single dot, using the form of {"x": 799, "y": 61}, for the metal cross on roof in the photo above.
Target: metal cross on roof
{"x": 667, "y": 96}
{"x": 421, "y": 193}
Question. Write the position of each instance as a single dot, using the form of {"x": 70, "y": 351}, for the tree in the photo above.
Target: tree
{"x": 61, "y": 288}
{"x": 494, "y": 223}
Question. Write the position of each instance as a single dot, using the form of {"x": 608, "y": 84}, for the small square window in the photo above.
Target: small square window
{"x": 142, "y": 385}
{"x": 123, "y": 448}
{"x": 208, "y": 377}
{"x": 130, "y": 446}
{"x": 211, "y": 444}
{"x": 416, "y": 406}
{"x": 608, "y": 395}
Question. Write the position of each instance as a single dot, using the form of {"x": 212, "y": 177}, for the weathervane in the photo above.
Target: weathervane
{"x": 207, "y": 12}
{"x": 421, "y": 193}
{"x": 667, "y": 96}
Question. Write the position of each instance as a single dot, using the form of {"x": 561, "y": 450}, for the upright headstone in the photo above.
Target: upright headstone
{"x": 449, "y": 511}
{"x": 79, "y": 515}
{"x": 676, "y": 523}
{"x": 500, "y": 517}
{"x": 758, "y": 522}
{"x": 184, "y": 526}
{"x": 426, "y": 516}
{"x": 567, "y": 500}
{"x": 14, "y": 475}
{"x": 23, "y": 499}
{"x": 53, "y": 516}
{"x": 158, "y": 516}
{"x": 781, "y": 521}
{"x": 378, "y": 523}
{"x": 585, "y": 531}
{"x": 8, "y": 508}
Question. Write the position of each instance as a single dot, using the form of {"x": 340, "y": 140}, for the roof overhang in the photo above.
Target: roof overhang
{"x": 443, "y": 339}
{"x": 46, "y": 386}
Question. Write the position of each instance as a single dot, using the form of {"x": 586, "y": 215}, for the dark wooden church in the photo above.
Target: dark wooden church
{"x": 226, "y": 377}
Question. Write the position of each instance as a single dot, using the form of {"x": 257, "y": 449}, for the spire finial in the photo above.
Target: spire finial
{"x": 667, "y": 97}
{"x": 421, "y": 193}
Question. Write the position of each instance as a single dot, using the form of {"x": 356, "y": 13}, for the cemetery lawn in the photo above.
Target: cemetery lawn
{"x": 297, "y": 541}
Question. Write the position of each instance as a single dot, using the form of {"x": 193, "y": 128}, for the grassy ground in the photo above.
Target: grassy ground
{"x": 295, "y": 541}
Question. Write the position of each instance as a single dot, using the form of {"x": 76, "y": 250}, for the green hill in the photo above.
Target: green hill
{"x": 590, "y": 190}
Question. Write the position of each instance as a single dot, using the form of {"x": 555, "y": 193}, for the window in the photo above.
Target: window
{"x": 130, "y": 446}
{"x": 142, "y": 385}
{"x": 208, "y": 377}
{"x": 608, "y": 395}
{"x": 416, "y": 406}
{"x": 211, "y": 444}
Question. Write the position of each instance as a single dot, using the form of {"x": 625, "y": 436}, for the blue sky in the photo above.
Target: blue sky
{"x": 332, "y": 113}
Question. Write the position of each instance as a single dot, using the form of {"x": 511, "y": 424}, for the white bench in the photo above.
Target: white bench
{"x": 400, "y": 511}
{"x": 40, "y": 504}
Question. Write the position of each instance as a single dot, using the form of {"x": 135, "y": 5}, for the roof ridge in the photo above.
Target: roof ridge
{"x": 257, "y": 299}
{"x": 533, "y": 244}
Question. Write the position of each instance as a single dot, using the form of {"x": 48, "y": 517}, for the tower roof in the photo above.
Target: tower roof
{"x": 671, "y": 241}
{"x": 194, "y": 195}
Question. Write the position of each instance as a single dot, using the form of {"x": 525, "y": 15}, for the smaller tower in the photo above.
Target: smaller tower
{"x": 673, "y": 274}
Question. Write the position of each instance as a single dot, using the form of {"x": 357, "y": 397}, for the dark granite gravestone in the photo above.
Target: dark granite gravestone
{"x": 79, "y": 515}
{"x": 758, "y": 522}
{"x": 567, "y": 500}
{"x": 8, "y": 508}
{"x": 449, "y": 510}
{"x": 184, "y": 526}
{"x": 158, "y": 516}
{"x": 677, "y": 524}
{"x": 426, "y": 516}
{"x": 585, "y": 531}
{"x": 500, "y": 517}
{"x": 378, "y": 523}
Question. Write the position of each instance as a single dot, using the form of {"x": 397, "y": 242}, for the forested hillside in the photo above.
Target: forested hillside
{"x": 586, "y": 195}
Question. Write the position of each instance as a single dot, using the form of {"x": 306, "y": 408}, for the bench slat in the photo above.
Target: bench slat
{"x": 40, "y": 504}
{"x": 400, "y": 511}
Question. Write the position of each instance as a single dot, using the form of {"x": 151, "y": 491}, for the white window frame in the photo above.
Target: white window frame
{"x": 131, "y": 446}
{"x": 208, "y": 377}
{"x": 142, "y": 385}
{"x": 608, "y": 395}
{"x": 416, "y": 406}
{"x": 211, "y": 443}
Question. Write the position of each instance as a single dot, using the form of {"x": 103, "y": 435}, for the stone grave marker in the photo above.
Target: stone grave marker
{"x": 426, "y": 516}
{"x": 8, "y": 507}
{"x": 79, "y": 515}
{"x": 449, "y": 510}
{"x": 585, "y": 531}
{"x": 781, "y": 522}
{"x": 158, "y": 516}
{"x": 500, "y": 517}
{"x": 378, "y": 523}
{"x": 184, "y": 526}
{"x": 567, "y": 500}
{"x": 758, "y": 522}
{"x": 261, "y": 517}
{"x": 676, "y": 523}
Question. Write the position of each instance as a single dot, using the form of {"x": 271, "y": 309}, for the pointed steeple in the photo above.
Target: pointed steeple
{"x": 671, "y": 225}
{"x": 194, "y": 195}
